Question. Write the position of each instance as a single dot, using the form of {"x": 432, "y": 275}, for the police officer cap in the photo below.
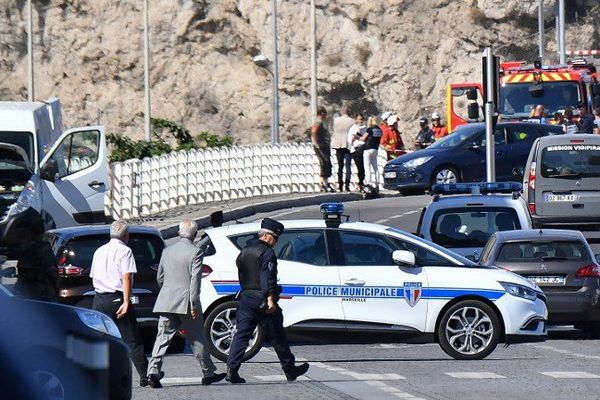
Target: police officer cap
{"x": 423, "y": 121}
{"x": 271, "y": 225}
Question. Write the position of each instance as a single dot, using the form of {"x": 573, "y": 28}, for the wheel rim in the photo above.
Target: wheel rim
{"x": 49, "y": 385}
{"x": 445, "y": 176}
{"x": 222, "y": 330}
{"x": 469, "y": 330}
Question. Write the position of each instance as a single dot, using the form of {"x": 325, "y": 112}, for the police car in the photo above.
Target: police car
{"x": 463, "y": 216}
{"x": 353, "y": 276}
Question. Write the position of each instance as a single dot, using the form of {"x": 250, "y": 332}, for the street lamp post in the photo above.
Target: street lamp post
{"x": 263, "y": 62}
{"x": 30, "y": 94}
{"x": 146, "y": 76}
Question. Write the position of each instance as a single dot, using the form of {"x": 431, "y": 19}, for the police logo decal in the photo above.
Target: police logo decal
{"x": 413, "y": 292}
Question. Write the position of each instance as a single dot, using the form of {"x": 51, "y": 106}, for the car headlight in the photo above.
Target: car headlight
{"x": 24, "y": 199}
{"x": 519, "y": 290}
{"x": 99, "y": 322}
{"x": 417, "y": 162}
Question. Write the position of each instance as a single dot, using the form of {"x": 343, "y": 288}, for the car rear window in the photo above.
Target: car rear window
{"x": 146, "y": 249}
{"x": 471, "y": 226}
{"x": 571, "y": 161}
{"x": 533, "y": 252}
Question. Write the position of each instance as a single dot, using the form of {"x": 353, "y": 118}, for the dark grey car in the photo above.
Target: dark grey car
{"x": 561, "y": 263}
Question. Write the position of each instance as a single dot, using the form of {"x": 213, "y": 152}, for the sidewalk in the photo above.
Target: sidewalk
{"x": 168, "y": 221}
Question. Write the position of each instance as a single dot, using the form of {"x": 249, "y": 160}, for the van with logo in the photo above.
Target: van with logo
{"x": 562, "y": 181}
{"x": 61, "y": 177}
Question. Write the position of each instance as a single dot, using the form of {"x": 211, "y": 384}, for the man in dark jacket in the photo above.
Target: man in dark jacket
{"x": 257, "y": 271}
{"x": 425, "y": 136}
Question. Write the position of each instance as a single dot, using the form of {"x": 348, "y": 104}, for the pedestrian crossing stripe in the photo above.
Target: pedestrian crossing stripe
{"x": 570, "y": 375}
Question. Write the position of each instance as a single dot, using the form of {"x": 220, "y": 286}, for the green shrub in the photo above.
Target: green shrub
{"x": 124, "y": 148}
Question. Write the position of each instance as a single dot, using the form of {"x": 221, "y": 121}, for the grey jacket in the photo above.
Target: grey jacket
{"x": 179, "y": 275}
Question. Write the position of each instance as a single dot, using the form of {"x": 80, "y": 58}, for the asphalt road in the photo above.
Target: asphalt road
{"x": 566, "y": 366}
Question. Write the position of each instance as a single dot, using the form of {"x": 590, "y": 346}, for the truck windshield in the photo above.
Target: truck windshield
{"x": 517, "y": 101}
{"x": 21, "y": 139}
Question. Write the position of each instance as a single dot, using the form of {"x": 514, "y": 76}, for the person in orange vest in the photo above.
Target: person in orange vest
{"x": 439, "y": 130}
{"x": 391, "y": 140}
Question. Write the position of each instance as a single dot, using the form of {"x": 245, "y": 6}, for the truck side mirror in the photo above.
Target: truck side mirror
{"x": 471, "y": 94}
{"x": 473, "y": 111}
{"x": 49, "y": 171}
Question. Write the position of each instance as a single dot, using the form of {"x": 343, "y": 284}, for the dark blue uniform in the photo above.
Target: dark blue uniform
{"x": 257, "y": 269}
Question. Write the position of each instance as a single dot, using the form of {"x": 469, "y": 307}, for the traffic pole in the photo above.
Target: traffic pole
{"x": 30, "y": 94}
{"x": 313, "y": 61}
{"x": 541, "y": 40}
{"x": 561, "y": 32}
{"x": 275, "y": 116}
{"x": 490, "y": 155}
{"x": 147, "y": 110}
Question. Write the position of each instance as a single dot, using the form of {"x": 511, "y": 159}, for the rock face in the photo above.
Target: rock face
{"x": 381, "y": 55}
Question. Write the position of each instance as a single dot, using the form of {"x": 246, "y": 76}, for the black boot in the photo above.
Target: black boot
{"x": 294, "y": 372}
{"x": 233, "y": 376}
{"x": 212, "y": 379}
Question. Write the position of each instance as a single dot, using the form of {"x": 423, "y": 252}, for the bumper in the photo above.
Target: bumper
{"x": 119, "y": 378}
{"x": 572, "y": 307}
{"x": 524, "y": 320}
{"x": 567, "y": 222}
{"x": 15, "y": 230}
{"x": 397, "y": 179}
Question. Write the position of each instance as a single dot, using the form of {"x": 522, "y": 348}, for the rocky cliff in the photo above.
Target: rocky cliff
{"x": 380, "y": 55}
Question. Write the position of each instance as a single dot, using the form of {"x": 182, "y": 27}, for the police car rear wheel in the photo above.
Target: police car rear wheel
{"x": 220, "y": 329}
{"x": 469, "y": 330}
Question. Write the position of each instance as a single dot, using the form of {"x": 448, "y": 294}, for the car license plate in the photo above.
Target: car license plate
{"x": 135, "y": 300}
{"x": 389, "y": 175}
{"x": 551, "y": 197}
{"x": 547, "y": 279}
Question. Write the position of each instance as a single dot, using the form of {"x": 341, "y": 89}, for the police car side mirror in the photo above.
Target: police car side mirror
{"x": 403, "y": 258}
{"x": 10, "y": 272}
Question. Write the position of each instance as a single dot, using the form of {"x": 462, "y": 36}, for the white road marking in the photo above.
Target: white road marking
{"x": 570, "y": 375}
{"x": 475, "y": 375}
{"x": 278, "y": 378}
{"x": 384, "y": 220}
{"x": 182, "y": 381}
{"x": 569, "y": 353}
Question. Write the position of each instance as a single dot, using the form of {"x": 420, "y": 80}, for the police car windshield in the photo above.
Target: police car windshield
{"x": 457, "y": 138}
{"x": 457, "y": 257}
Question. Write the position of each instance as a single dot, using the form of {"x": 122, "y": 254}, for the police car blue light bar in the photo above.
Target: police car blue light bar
{"x": 332, "y": 209}
{"x": 484, "y": 187}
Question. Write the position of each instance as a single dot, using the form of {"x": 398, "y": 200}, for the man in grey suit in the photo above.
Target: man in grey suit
{"x": 178, "y": 303}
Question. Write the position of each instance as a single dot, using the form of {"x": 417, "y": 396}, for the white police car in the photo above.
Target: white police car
{"x": 463, "y": 216}
{"x": 353, "y": 276}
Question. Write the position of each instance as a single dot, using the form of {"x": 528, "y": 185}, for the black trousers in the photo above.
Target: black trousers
{"x": 323, "y": 155}
{"x": 358, "y": 157}
{"x": 343, "y": 160}
{"x": 249, "y": 315}
{"x": 109, "y": 303}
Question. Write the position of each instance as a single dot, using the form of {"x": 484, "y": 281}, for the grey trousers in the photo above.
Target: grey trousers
{"x": 168, "y": 325}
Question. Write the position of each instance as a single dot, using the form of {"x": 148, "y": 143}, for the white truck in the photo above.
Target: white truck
{"x": 61, "y": 177}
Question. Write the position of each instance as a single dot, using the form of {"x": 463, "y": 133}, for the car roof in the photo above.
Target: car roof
{"x": 90, "y": 230}
{"x": 566, "y": 139}
{"x": 541, "y": 234}
{"x": 448, "y": 201}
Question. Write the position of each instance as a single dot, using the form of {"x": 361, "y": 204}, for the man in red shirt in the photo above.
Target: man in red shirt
{"x": 439, "y": 130}
{"x": 391, "y": 140}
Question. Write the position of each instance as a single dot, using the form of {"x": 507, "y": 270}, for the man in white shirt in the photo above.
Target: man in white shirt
{"x": 339, "y": 142}
{"x": 112, "y": 272}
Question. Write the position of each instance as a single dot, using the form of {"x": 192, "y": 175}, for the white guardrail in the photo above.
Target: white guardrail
{"x": 141, "y": 188}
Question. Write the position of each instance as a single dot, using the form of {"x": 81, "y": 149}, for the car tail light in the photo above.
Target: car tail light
{"x": 63, "y": 259}
{"x": 531, "y": 179}
{"x": 589, "y": 271}
{"x": 206, "y": 270}
{"x": 69, "y": 270}
{"x": 532, "y": 208}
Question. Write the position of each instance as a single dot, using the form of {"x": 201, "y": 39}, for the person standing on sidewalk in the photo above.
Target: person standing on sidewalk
{"x": 372, "y": 138}
{"x": 322, "y": 146}
{"x": 178, "y": 304}
{"x": 257, "y": 271}
{"x": 112, "y": 272}
{"x": 439, "y": 130}
{"x": 357, "y": 148}
{"x": 341, "y": 126}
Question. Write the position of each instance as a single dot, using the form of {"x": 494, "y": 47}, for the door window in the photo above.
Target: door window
{"x": 361, "y": 248}
{"x": 76, "y": 152}
{"x": 520, "y": 134}
{"x": 423, "y": 256}
{"x": 499, "y": 137}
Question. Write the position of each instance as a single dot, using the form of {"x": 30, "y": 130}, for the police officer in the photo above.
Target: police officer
{"x": 257, "y": 271}
{"x": 38, "y": 273}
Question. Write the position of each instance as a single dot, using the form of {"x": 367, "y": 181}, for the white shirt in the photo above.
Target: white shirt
{"x": 109, "y": 264}
{"x": 353, "y": 143}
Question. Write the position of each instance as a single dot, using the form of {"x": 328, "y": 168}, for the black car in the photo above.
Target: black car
{"x": 53, "y": 351}
{"x": 460, "y": 157}
{"x": 74, "y": 249}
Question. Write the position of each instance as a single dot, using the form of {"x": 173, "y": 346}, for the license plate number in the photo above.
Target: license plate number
{"x": 389, "y": 175}
{"x": 547, "y": 280}
{"x": 135, "y": 300}
{"x": 550, "y": 197}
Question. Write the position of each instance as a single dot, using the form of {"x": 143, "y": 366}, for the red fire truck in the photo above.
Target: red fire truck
{"x": 522, "y": 87}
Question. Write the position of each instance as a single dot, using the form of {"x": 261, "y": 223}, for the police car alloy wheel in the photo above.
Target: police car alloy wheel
{"x": 49, "y": 385}
{"x": 446, "y": 175}
{"x": 469, "y": 330}
{"x": 220, "y": 329}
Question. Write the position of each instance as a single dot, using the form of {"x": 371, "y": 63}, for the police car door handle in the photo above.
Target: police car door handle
{"x": 354, "y": 282}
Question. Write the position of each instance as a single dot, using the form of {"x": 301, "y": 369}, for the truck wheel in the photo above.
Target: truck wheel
{"x": 445, "y": 175}
{"x": 469, "y": 330}
{"x": 220, "y": 328}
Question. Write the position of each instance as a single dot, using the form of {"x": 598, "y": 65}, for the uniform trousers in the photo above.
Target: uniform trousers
{"x": 109, "y": 303}
{"x": 168, "y": 325}
{"x": 249, "y": 315}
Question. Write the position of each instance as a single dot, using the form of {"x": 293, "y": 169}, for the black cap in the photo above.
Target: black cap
{"x": 423, "y": 121}
{"x": 274, "y": 226}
